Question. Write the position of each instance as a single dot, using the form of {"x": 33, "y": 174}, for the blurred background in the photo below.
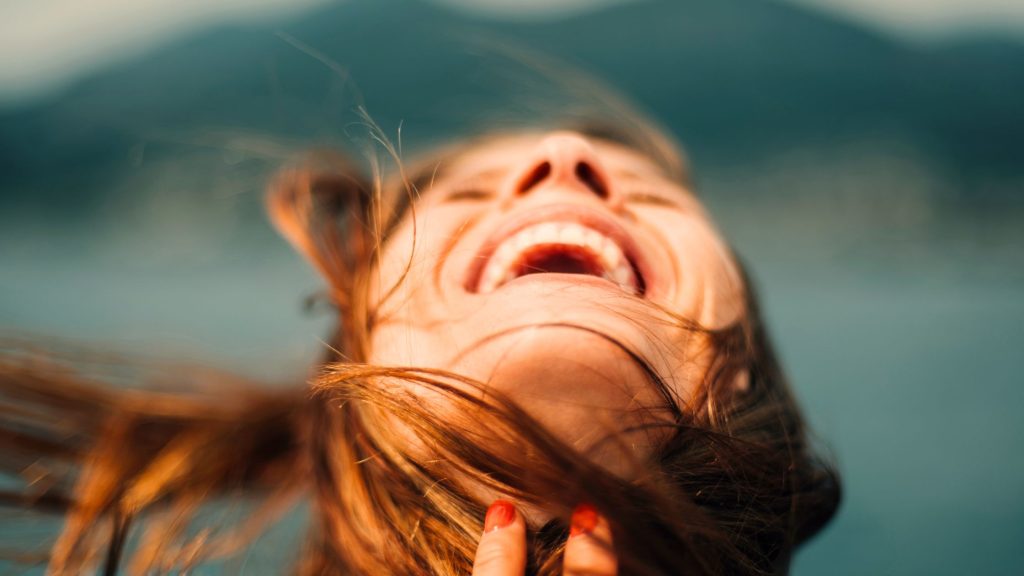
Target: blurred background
{"x": 865, "y": 157}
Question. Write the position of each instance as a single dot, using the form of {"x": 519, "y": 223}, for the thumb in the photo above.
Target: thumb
{"x": 502, "y": 548}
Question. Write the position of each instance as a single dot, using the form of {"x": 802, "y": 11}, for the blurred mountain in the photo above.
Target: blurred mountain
{"x": 737, "y": 80}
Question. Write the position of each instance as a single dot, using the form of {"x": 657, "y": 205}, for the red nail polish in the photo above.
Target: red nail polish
{"x": 584, "y": 520}
{"x": 499, "y": 515}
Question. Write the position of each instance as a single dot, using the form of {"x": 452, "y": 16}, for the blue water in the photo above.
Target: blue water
{"x": 916, "y": 387}
{"x": 905, "y": 348}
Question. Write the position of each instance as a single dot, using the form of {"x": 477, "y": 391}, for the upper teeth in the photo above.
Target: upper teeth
{"x": 502, "y": 265}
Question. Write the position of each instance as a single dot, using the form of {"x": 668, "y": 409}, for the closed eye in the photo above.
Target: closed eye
{"x": 643, "y": 197}
{"x": 468, "y": 195}
{"x": 474, "y": 189}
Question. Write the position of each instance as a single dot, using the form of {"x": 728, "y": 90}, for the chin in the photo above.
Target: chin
{"x": 580, "y": 385}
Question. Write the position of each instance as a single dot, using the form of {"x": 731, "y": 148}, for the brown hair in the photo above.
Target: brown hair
{"x": 733, "y": 491}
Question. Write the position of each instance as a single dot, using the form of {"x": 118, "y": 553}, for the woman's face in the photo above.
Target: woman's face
{"x": 560, "y": 271}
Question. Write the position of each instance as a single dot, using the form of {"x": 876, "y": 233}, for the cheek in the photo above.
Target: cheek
{"x": 405, "y": 276}
{"x": 414, "y": 294}
{"x": 395, "y": 258}
{"x": 722, "y": 284}
{"x": 708, "y": 286}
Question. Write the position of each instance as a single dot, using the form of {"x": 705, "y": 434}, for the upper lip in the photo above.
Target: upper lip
{"x": 592, "y": 218}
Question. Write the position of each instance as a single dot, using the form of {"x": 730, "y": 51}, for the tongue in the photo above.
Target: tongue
{"x": 559, "y": 260}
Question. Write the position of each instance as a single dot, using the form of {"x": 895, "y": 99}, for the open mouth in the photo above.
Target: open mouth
{"x": 556, "y": 247}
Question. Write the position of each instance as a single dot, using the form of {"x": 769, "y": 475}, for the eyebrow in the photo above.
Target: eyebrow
{"x": 628, "y": 174}
{"x": 486, "y": 173}
{"x": 434, "y": 169}
{"x": 426, "y": 175}
{"x": 441, "y": 169}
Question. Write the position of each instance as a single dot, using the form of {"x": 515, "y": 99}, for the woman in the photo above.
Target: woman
{"x": 543, "y": 322}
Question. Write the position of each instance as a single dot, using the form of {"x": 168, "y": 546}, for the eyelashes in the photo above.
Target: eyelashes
{"x": 473, "y": 189}
{"x": 475, "y": 192}
{"x": 469, "y": 193}
{"x": 649, "y": 198}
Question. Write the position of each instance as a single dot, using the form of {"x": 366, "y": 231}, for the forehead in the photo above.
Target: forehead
{"x": 496, "y": 154}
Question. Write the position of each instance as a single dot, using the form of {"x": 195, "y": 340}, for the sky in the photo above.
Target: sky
{"x": 931, "y": 18}
{"x": 46, "y": 44}
{"x": 914, "y": 17}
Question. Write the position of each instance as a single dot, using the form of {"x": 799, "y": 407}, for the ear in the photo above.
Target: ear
{"x": 741, "y": 383}
{"x": 320, "y": 205}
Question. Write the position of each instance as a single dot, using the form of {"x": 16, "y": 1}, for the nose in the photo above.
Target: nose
{"x": 563, "y": 161}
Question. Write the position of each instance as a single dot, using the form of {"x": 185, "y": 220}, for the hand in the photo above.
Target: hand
{"x": 502, "y": 549}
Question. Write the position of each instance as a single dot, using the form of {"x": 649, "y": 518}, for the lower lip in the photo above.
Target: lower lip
{"x": 562, "y": 280}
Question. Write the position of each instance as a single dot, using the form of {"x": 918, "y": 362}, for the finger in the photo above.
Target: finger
{"x": 502, "y": 548}
{"x": 589, "y": 551}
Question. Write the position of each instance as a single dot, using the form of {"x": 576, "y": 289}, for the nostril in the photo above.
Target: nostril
{"x": 591, "y": 179}
{"x": 534, "y": 177}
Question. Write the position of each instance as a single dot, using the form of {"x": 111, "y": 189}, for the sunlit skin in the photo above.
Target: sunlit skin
{"x": 560, "y": 345}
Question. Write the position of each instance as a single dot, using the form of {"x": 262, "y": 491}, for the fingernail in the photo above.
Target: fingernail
{"x": 499, "y": 515}
{"x": 584, "y": 520}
